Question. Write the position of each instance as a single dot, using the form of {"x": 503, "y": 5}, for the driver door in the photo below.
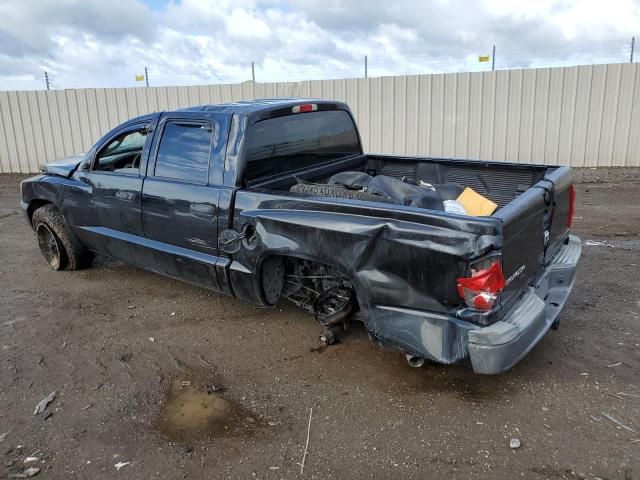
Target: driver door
{"x": 114, "y": 179}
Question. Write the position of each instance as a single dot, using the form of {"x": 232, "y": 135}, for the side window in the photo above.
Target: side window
{"x": 184, "y": 152}
{"x": 122, "y": 154}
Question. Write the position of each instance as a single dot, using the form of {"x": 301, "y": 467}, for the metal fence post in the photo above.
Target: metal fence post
{"x": 493, "y": 58}
{"x": 633, "y": 44}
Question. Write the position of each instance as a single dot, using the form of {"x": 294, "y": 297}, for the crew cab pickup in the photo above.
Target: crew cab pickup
{"x": 274, "y": 199}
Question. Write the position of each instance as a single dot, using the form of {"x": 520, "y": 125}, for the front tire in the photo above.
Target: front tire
{"x": 57, "y": 245}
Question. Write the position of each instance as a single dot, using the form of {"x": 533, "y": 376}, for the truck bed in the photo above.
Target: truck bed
{"x": 500, "y": 182}
{"x": 532, "y": 214}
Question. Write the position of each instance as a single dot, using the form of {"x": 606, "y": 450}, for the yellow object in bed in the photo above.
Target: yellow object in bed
{"x": 475, "y": 204}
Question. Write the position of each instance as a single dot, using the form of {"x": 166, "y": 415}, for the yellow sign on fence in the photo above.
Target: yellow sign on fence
{"x": 484, "y": 58}
{"x": 139, "y": 78}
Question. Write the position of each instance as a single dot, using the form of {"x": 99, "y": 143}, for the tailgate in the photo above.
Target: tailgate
{"x": 534, "y": 225}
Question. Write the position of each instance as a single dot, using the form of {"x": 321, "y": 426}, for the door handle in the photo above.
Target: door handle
{"x": 202, "y": 209}
{"x": 123, "y": 195}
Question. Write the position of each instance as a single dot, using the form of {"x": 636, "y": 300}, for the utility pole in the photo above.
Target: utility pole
{"x": 365, "y": 67}
{"x": 146, "y": 76}
{"x": 633, "y": 44}
{"x": 253, "y": 73}
{"x": 493, "y": 58}
{"x": 46, "y": 80}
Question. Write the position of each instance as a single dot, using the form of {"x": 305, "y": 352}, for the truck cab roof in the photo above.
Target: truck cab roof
{"x": 257, "y": 109}
{"x": 261, "y": 105}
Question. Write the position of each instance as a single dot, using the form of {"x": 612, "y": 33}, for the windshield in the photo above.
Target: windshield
{"x": 292, "y": 142}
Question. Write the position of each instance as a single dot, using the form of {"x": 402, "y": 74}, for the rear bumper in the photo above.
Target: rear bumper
{"x": 498, "y": 347}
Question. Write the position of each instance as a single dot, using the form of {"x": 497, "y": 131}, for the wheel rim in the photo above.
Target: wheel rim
{"x": 49, "y": 246}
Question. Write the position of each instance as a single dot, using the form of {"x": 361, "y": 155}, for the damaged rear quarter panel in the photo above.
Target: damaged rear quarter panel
{"x": 400, "y": 259}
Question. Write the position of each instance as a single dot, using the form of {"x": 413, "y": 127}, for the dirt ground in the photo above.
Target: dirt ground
{"x": 184, "y": 383}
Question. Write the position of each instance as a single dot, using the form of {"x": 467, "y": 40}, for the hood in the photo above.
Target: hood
{"x": 63, "y": 167}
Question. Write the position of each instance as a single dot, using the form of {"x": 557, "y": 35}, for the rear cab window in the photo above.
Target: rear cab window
{"x": 183, "y": 153}
{"x": 297, "y": 141}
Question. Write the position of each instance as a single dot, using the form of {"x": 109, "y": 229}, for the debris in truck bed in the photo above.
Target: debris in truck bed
{"x": 454, "y": 206}
{"x": 475, "y": 204}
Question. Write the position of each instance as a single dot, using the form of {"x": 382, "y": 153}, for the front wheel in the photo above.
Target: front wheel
{"x": 57, "y": 245}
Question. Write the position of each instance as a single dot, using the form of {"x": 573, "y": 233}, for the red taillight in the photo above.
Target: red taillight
{"x": 572, "y": 205}
{"x": 481, "y": 290}
{"x": 307, "y": 107}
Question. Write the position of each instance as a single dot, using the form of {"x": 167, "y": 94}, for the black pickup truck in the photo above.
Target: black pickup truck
{"x": 272, "y": 199}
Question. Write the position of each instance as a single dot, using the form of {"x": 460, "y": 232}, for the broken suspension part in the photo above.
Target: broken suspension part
{"x": 319, "y": 289}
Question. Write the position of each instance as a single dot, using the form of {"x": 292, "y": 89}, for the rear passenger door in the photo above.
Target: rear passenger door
{"x": 179, "y": 202}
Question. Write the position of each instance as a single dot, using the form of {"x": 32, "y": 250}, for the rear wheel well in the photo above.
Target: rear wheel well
{"x": 316, "y": 287}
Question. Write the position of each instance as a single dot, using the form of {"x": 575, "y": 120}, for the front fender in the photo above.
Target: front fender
{"x": 49, "y": 189}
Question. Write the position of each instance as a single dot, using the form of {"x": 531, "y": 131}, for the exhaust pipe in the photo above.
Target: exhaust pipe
{"x": 414, "y": 361}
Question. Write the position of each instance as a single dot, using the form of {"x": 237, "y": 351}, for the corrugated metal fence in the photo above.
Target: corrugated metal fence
{"x": 579, "y": 116}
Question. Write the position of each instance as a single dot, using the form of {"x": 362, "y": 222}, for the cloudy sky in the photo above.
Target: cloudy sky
{"x": 93, "y": 43}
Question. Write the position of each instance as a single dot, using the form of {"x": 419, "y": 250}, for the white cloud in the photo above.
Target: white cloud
{"x": 246, "y": 26}
{"x": 96, "y": 43}
{"x": 589, "y": 18}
